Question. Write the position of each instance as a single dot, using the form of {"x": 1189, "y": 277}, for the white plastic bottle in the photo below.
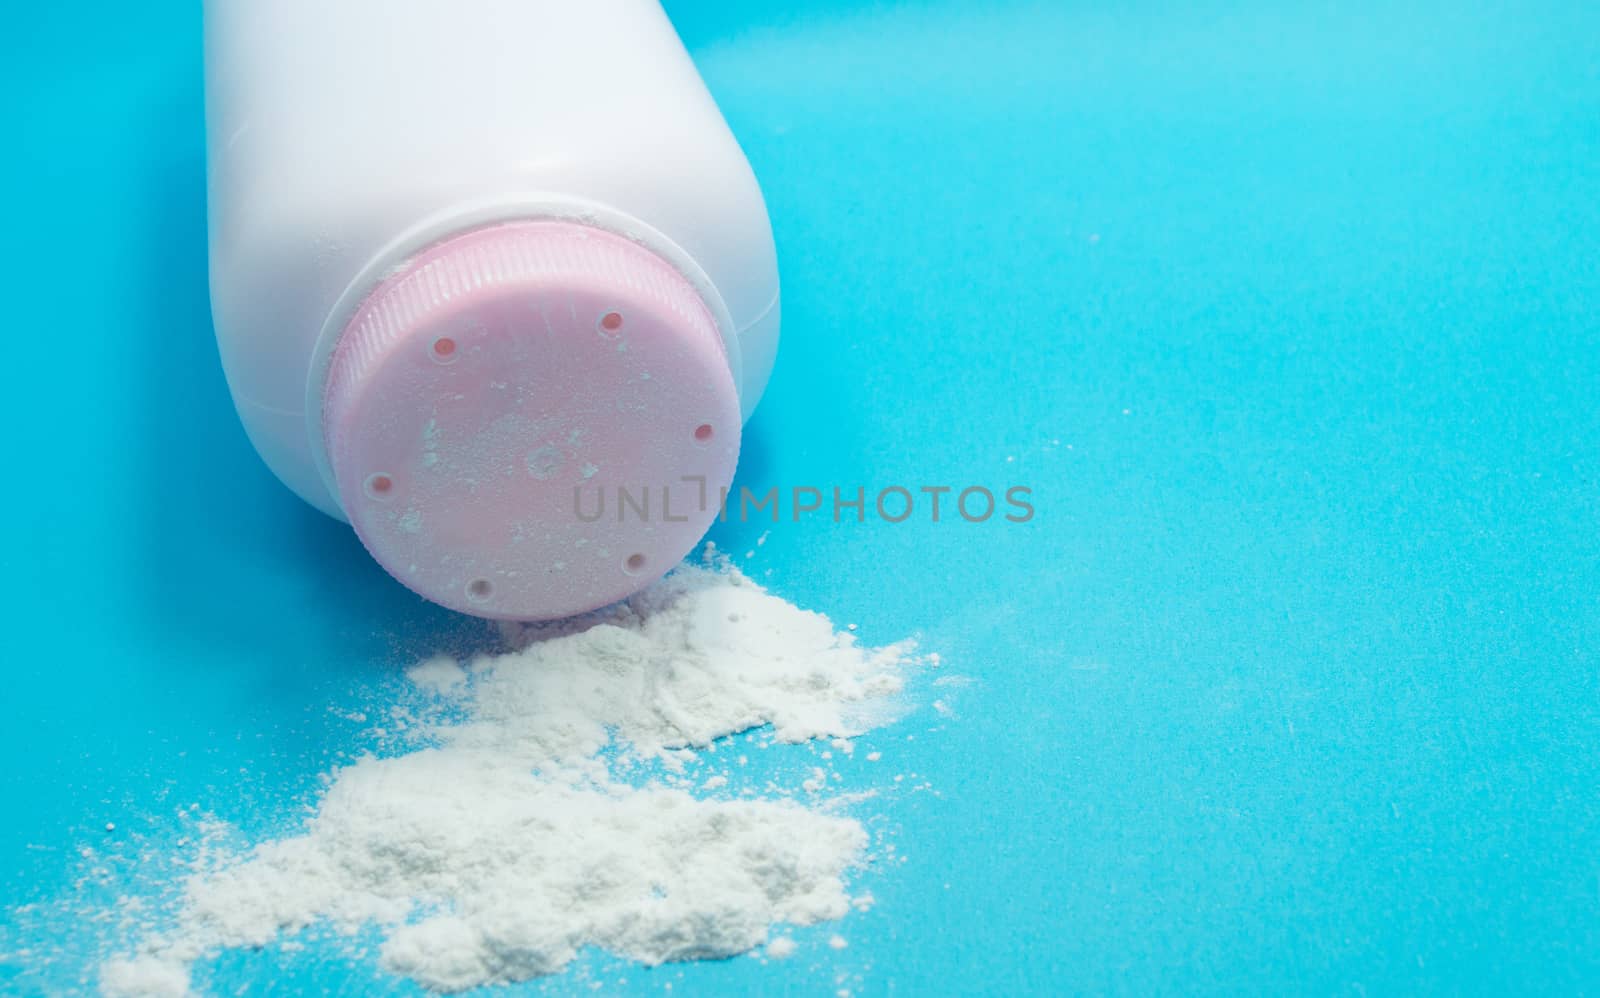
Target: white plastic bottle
{"x": 480, "y": 270}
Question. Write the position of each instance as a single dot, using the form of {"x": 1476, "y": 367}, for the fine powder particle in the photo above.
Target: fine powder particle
{"x": 512, "y": 838}
{"x": 781, "y": 948}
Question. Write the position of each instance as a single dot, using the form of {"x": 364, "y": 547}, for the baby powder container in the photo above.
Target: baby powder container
{"x": 492, "y": 281}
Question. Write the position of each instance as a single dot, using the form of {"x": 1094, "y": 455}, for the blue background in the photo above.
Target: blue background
{"x": 1290, "y": 683}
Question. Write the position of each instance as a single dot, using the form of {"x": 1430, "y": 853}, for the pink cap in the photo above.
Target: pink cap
{"x": 531, "y": 420}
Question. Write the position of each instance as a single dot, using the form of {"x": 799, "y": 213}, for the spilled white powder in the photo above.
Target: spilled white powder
{"x": 513, "y": 838}
{"x": 781, "y": 948}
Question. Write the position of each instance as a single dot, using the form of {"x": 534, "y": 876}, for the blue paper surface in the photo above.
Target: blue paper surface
{"x": 1286, "y": 314}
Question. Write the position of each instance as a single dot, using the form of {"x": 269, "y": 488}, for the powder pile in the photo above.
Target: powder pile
{"x": 513, "y": 837}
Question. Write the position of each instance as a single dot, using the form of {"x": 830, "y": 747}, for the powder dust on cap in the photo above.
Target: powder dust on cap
{"x": 531, "y": 420}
